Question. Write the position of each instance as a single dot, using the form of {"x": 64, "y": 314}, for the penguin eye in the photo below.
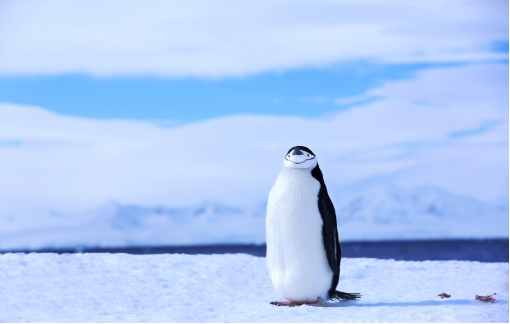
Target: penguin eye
{"x": 308, "y": 154}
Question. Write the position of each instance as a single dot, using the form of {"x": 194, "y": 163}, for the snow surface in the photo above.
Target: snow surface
{"x": 380, "y": 213}
{"x": 236, "y": 288}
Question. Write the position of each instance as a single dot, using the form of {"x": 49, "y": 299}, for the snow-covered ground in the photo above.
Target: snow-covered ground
{"x": 236, "y": 288}
{"x": 378, "y": 213}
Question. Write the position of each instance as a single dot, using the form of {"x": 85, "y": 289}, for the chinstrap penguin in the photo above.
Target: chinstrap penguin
{"x": 303, "y": 251}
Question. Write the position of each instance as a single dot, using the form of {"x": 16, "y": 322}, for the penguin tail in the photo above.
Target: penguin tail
{"x": 337, "y": 295}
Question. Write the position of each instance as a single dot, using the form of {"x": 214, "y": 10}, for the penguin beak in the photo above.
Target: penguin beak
{"x": 297, "y": 156}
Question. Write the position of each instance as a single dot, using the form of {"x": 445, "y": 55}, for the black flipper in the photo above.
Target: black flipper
{"x": 330, "y": 237}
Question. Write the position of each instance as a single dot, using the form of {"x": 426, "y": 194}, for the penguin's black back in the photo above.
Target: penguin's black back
{"x": 329, "y": 229}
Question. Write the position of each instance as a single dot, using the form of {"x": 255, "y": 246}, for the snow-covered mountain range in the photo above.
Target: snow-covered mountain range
{"x": 376, "y": 213}
{"x": 386, "y": 205}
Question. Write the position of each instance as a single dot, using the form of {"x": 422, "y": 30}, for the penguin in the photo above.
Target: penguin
{"x": 303, "y": 252}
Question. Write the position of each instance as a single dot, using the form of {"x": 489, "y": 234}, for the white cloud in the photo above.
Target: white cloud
{"x": 233, "y": 38}
{"x": 355, "y": 100}
{"x": 50, "y": 161}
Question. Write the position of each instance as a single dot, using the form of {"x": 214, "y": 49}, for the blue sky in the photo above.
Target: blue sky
{"x": 307, "y": 92}
{"x": 197, "y": 60}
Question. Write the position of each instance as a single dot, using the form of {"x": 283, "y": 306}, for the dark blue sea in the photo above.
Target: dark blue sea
{"x": 484, "y": 250}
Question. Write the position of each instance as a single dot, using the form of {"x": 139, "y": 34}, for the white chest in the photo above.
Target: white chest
{"x": 296, "y": 257}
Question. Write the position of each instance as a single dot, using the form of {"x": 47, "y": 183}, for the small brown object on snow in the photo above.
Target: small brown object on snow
{"x": 486, "y": 299}
{"x": 444, "y": 295}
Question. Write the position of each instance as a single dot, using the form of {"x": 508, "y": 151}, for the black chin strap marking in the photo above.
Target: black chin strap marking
{"x": 313, "y": 157}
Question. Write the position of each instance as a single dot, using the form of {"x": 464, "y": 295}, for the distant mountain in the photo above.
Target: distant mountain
{"x": 388, "y": 205}
{"x": 377, "y": 213}
{"x": 123, "y": 217}
{"x": 420, "y": 213}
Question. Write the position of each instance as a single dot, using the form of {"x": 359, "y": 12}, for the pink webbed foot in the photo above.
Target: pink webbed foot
{"x": 316, "y": 303}
{"x": 286, "y": 303}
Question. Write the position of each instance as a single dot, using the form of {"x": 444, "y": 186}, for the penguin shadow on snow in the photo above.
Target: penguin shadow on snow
{"x": 354, "y": 303}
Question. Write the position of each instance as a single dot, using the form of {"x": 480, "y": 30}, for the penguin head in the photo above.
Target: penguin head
{"x": 300, "y": 157}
